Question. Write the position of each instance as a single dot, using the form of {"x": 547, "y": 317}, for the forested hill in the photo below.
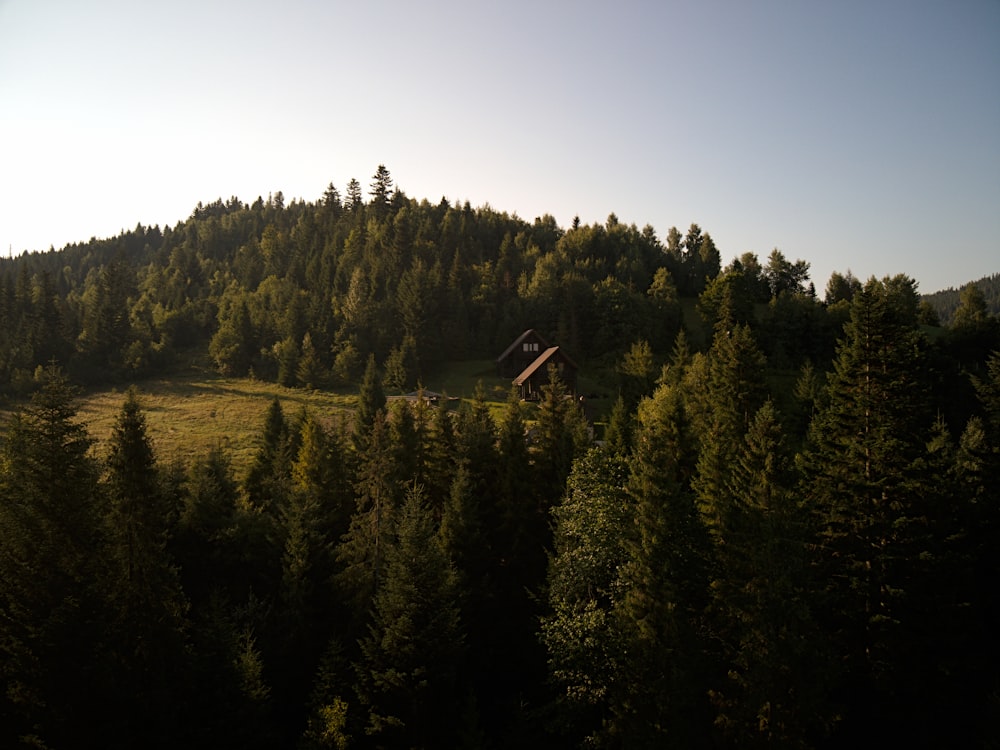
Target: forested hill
{"x": 947, "y": 301}
{"x": 303, "y": 293}
{"x": 786, "y": 535}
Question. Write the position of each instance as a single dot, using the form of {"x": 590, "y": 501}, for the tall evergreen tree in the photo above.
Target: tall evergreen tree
{"x": 51, "y": 541}
{"x": 856, "y": 478}
{"x": 407, "y": 677}
{"x": 662, "y": 611}
{"x": 371, "y": 399}
{"x": 148, "y": 633}
{"x": 582, "y": 635}
{"x": 362, "y": 550}
{"x": 774, "y": 692}
{"x": 267, "y": 481}
{"x": 381, "y": 191}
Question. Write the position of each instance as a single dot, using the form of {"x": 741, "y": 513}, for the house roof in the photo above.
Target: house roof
{"x": 542, "y": 360}
{"x": 519, "y": 340}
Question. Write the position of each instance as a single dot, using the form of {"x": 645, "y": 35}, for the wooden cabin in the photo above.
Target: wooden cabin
{"x": 526, "y": 349}
{"x": 530, "y": 381}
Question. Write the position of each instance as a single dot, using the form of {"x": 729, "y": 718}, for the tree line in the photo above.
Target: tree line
{"x": 301, "y": 293}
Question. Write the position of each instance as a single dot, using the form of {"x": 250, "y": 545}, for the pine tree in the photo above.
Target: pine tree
{"x": 381, "y": 191}
{"x": 441, "y": 452}
{"x": 774, "y": 691}
{"x": 148, "y": 634}
{"x": 515, "y": 530}
{"x": 729, "y": 399}
{"x": 203, "y": 542}
{"x": 50, "y": 581}
{"x": 268, "y": 478}
{"x": 362, "y": 550}
{"x": 371, "y": 399}
{"x": 661, "y": 613}
{"x": 618, "y": 433}
{"x": 862, "y": 447}
{"x": 407, "y": 678}
{"x": 310, "y": 372}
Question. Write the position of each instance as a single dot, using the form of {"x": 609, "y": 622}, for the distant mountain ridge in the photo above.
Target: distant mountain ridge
{"x": 946, "y": 301}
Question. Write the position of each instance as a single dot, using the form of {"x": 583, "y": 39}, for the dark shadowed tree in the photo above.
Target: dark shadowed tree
{"x": 51, "y": 579}
{"x": 147, "y": 648}
{"x": 407, "y": 676}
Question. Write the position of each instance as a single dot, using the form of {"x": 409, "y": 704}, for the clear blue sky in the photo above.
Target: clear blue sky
{"x": 854, "y": 135}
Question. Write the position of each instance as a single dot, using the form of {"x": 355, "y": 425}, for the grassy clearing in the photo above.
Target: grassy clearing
{"x": 193, "y": 410}
{"x": 190, "y": 413}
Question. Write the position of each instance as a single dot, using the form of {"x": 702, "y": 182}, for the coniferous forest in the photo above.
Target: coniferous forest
{"x": 783, "y": 533}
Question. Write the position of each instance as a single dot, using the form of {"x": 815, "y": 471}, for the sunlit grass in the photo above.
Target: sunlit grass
{"x": 189, "y": 414}
{"x": 191, "y": 411}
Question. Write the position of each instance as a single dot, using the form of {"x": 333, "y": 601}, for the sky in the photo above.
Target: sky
{"x": 861, "y": 136}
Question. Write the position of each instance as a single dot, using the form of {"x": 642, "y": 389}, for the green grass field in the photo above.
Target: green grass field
{"x": 193, "y": 410}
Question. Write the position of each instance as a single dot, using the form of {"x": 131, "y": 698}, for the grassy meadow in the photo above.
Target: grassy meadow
{"x": 191, "y": 411}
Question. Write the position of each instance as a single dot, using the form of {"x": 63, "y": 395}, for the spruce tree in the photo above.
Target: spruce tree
{"x": 148, "y": 633}
{"x": 662, "y": 611}
{"x": 407, "y": 676}
{"x": 361, "y": 552}
{"x": 267, "y": 480}
{"x": 857, "y": 466}
{"x": 371, "y": 399}
{"x": 51, "y": 583}
{"x": 773, "y": 694}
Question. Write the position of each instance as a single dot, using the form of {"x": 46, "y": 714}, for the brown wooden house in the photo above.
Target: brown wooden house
{"x": 529, "y": 383}
{"x": 526, "y": 349}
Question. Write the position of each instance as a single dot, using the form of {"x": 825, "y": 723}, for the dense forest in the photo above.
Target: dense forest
{"x": 783, "y": 534}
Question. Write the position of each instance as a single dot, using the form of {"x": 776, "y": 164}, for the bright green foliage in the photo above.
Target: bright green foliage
{"x": 286, "y": 353}
{"x": 619, "y": 430}
{"x": 637, "y": 372}
{"x": 107, "y": 328}
{"x": 313, "y": 521}
{"x": 581, "y": 631}
{"x": 327, "y": 725}
{"x": 407, "y": 678}
{"x": 234, "y": 344}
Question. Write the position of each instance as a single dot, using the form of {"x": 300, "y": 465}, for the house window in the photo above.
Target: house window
{"x": 526, "y": 347}
{"x": 534, "y": 347}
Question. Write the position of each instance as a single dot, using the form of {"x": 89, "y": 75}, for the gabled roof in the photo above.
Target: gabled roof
{"x": 542, "y": 360}
{"x": 520, "y": 340}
